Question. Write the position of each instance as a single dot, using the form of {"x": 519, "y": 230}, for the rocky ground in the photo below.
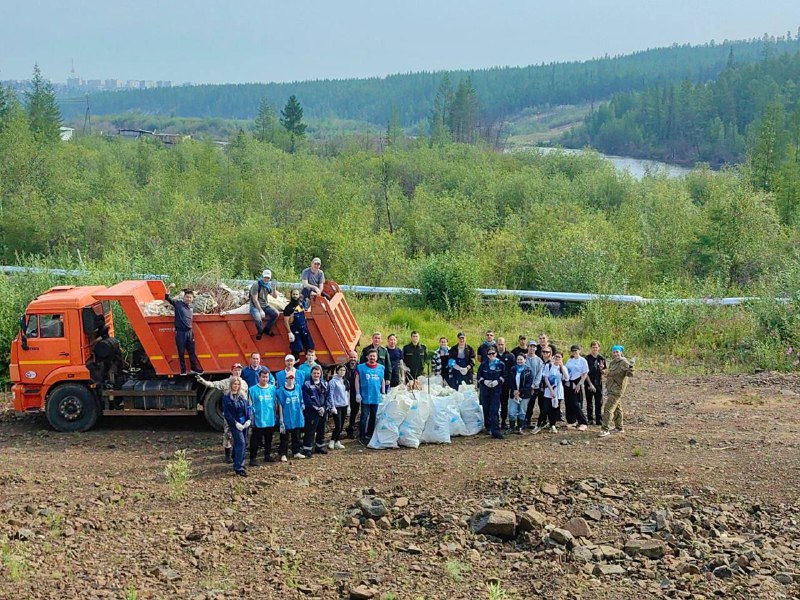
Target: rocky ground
{"x": 698, "y": 499}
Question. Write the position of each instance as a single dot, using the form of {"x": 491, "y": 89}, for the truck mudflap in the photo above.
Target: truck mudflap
{"x": 27, "y": 398}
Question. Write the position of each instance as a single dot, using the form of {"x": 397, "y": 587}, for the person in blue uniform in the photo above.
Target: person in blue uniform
{"x": 294, "y": 316}
{"x": 491, "y": 376}
{"x": 184, "y": 336}
{"x": 315, "y": 406}
{"x": 237, "y": 412}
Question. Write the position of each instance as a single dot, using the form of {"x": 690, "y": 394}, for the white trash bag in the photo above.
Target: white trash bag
{"x": 457, "y": 426}
{"x": 391, "y": 414}
{"x": 414, "y": 424}
{"x": 437, "y": 428}
{"x": 471, "y": 412}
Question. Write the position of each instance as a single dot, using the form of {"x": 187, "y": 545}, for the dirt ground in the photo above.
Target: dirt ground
{"x": 90, "y": 515}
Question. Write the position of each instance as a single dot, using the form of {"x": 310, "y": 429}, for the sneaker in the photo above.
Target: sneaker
{"x": 582, "y": 427}
{"x": 321, "y": 450}
{"x": 617, "y": 431}
{"x": 300, "y": 455}
{"x": 604, "y": 433}
{"x": 258, "y": 336}
{"x": 283, "y": 458}
{"x": 183, "y": 372}
{"x": 363, "y": 441}
{"x": 339, "y": 446}
{"x": 571, "y": 425}
{"x": 536, "y": 430}
{"x": 553, "y": 429}
{"x": 331, "y": 445}
{"x": 241, "y": 473}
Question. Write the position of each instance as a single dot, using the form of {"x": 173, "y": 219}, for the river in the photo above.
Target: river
{"x": 636, "y": 167}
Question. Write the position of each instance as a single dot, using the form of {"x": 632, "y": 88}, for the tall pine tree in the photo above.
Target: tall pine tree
{"x": 265, "y": 122}
{"x": 43, "y": 112}
{"x": 440, "y": 116}
{"x": 292, "y": 120}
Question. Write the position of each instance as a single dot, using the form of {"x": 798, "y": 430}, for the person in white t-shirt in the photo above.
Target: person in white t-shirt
{"x": 578, "y": 370}
{"x": 554, "y": 374}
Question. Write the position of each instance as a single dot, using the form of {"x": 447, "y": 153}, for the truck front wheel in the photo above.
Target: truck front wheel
{"x": 212, "y": 408}
{"x": 71, "y": 407}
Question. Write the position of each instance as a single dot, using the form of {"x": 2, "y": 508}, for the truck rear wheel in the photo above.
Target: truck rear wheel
{"x": 212, "y": 408}
{"x": 71, "y": 407}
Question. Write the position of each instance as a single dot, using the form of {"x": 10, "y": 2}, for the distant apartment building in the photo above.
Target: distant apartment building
{"x": 132, "y": 84}
{"x": 113, "y": 84}
{"x": 74, "y": 83}
{"x": 163, "y": 84}
{"x": 146, "y": 85}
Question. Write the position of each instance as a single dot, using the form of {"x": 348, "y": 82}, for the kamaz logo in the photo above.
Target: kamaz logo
{"x": 166, "y": 329}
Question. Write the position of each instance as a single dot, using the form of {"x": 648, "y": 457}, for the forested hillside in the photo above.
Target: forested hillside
{"x": 714, "y": 122}
{"x": 501, "y": 91}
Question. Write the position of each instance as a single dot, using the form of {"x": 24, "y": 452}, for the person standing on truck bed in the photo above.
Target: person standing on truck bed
{"x": 224, "y": 385}
{"x": 294, "y": 315}
{"x": 260, "y": 309}
{"x": 313, "y": 279}
{"x": 184, "y": 337}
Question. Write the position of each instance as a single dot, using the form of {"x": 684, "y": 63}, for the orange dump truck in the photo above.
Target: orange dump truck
{"x": 66, "y": 362}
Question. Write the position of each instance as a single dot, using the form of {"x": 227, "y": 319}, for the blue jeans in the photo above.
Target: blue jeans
{"x": 238, "y": 448}
{"x": 368, "y": 413}
{"x": 271, "y": 313}
{"x": 517, "y": 411}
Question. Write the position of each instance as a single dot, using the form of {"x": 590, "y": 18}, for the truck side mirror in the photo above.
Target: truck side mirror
{"x": 23, "y": 327}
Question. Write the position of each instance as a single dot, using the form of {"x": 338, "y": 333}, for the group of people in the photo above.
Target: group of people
{"x": 511, "y": 383}
{"x": 298, "y": 400}
{"x": 264, "y": 316}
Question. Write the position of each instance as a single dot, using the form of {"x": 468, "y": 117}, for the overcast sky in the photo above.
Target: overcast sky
{"x": 251, "y": 40}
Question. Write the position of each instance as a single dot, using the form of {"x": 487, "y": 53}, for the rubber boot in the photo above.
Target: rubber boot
{"x": 228, "y": 457}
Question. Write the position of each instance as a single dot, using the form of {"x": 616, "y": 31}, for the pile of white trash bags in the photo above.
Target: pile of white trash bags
{"x": 409, "y": 418}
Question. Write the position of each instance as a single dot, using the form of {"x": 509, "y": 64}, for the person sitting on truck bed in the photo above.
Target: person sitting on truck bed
{"x": 184, "y": 337}
{"x": 294, "y": 315}
{"x": 260, "y": 309}
{"x": 224, "y": 385}
{"x": 313, "y": 279}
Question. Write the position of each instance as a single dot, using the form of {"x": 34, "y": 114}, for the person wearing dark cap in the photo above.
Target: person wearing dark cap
{"x": 460, "y": 363}
{"x": 521, "y": 347}
{"x": 491, "y": 376}
{"x": 184, "y": 336}
{"x": 224, "y": 385}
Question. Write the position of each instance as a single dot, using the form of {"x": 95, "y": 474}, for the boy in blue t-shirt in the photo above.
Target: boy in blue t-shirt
{"x": 263, "y": 397}
{"x": 370, "y": 388}
{"x": 290, "y": 413}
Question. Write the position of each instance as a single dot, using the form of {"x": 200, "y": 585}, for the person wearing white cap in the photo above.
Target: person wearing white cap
{"x": 289, "y": 360}
{"x": 260, "y": 309}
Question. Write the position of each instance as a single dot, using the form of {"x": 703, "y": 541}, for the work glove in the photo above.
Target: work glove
{"x": 247, "y": 424}
{"x": 240, "y": 426}
{"x": 321, "y": 411}
{"x": 358, "y": 398}
{"x": 334, "y": 411}
{"x": 282, "y": 428}
{"x": 291, "y": 337}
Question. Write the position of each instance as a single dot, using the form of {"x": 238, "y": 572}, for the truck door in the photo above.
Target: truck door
{"x": 48, "y": 346}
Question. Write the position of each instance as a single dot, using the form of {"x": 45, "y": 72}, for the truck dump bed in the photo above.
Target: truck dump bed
{"x": 222, "y": 340}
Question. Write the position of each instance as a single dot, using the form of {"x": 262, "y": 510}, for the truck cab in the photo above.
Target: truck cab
{"x": 53, "y": 348}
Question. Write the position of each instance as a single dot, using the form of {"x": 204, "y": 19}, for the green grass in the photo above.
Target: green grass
{"x": 496, "y": 592}
{"x": 291, "y": 569}
{"x": 14, "y": 565}
{"x": 637, "y": 452}
{"x": 131, "y": 593}
{"x": 177, "y": 473}
{"x": 455, "y": 570}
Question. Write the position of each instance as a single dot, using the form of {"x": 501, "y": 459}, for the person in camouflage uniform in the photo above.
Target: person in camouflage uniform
{"x": 616, "y": 381}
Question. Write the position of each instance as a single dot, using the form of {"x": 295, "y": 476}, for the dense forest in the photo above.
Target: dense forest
{"x": 501, "y": 91}
{"x": 714, "y": 122}
{"x": 443, "y": 215}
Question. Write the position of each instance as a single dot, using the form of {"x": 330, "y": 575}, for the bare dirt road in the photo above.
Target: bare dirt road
{"x": 699, "y": 498}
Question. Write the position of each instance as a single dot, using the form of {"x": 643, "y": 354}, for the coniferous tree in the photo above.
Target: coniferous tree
{"x": 292, "y": 120}
{"x": 440, "y": 116}
{"x": 464, "y": 114}
{"x": 265, "y": 122}
{"x": 43, "y": 112}
{"x": 394, "y": 132}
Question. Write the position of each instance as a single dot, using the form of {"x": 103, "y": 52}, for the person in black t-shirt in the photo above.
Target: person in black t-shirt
{"x": 594, "y": 384}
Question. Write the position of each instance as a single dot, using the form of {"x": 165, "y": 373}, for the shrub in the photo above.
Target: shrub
{"x": 447, "y": 283}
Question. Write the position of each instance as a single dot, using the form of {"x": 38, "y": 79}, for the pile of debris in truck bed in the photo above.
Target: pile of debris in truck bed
{"x": 212, "y": 299}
